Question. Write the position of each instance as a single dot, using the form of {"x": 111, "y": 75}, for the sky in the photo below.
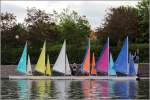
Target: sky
{"x": 95, "y": 11}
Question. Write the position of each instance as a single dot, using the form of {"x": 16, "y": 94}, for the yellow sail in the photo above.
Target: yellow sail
{"x": 48, "y": 67}
{"x": 40, "y": 66}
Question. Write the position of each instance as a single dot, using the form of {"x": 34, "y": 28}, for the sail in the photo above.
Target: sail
{"x": 61, "y": 63}
{"x": 29, "y": 69}
{"x": 132, "y": 71}
{"x": 85, "y": 66}
{"x": 111, "y": 71}
{"x": 121, "y": 64}
{"x": 48, "y": 68}
{"x": 103, "y": 62}
{"x": 40, "y": 66}
{"x": 68, "y": 70}
{"x": 93, "y": 70}
{"x": 21, "y": 67}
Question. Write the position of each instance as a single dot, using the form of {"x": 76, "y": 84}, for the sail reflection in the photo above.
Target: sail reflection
{"x": 89, "y": 89}
{"x": 86, "y": 88}
{"x": 75, "y": 89}
{"x": 109, "y": 89}
{"x": 125, "y": 89}
{"x": 62, "y": 88}
{"x": 43, "y": 88}
{"x": 132, "y": 88}
{"x": 24, "y": 87}
{"x": 103, "y": 89}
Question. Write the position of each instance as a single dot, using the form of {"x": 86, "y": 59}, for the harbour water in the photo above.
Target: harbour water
{"x": 74, "y": 89}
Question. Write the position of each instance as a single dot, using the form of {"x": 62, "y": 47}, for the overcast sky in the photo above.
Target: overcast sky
{"x": 93, "y": 10}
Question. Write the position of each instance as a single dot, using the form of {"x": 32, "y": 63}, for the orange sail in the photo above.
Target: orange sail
{"x": 93, "y": 70}
{"x": 85, "y": 66}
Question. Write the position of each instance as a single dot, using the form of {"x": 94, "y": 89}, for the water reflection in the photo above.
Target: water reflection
{"x": 24, "y": 88}
{"x": 62, "y": 87}
{"x": 73, "y": 89}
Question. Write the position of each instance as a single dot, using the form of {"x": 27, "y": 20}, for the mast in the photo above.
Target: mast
{"x": 65, "y": 57}
{"x": 108, "y": 55}
{"x": 127, "y": 57}
{"x": 89, "y": 65}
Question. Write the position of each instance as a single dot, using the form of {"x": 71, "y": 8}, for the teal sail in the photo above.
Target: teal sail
{"x": 23, "y": 60}
{"x": 121, "y": 64}
{"x": 132, "y": 71}
{"x": 111, "y": 70}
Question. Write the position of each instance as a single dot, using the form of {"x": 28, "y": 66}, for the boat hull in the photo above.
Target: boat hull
{"x": 72, "y": 77}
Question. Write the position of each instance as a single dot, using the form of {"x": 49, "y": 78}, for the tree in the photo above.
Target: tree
{"x": 8, "y": 21}
{"x": 143, "y": 18}
{"x": 119, "y": 23}
{"x": 74, "y": 28}
{"x": 41, "y": 26}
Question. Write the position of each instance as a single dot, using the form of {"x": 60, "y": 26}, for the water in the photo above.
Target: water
{"x": 74, "y": 89}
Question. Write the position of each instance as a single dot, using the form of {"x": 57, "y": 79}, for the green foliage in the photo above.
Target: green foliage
{"x": 75, "y": 55}
{"x": 119, "y": 23}
{"x": 41, "y": 26}
{"x": 74, "y": 28}
{"x": 11, "y": 29}
{"x": 143, "y": 18}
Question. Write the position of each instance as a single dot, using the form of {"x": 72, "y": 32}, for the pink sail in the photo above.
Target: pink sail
{"x": 103, "y": 62}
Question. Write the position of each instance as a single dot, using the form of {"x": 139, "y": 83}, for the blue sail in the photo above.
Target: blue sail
{"x": 23, "y": 60}
{"x": 121, "y": 64}
{"x": 131, "y": 66}
{"x": 111, "y": 70}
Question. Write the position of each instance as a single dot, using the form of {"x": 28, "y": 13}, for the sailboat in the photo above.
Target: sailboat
{"x": 23, "y": 66}
{"x": 40, "y": 66}
{"x": 61, "y": 65}
{"x": 93, "y": 69}
{"x": 29, "y": 70}
{"x": 103, "y": 61}
{"x": 111, "y": 70}
{"x": 132, "y": 71}
{"x": 124, "y": 65}
{"x": 121, "y": 64}
{"x": 85, "y": 66}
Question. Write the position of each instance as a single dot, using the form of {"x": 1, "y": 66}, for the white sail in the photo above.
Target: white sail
{"x": 68, "y": 71}
{"x": 61, "y": 64}
{"x": 29, "y": 69}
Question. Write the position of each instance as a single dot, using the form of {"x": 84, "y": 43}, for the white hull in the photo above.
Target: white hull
{"x": 73, "y": 77}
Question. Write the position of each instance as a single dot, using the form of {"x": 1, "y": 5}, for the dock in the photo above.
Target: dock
{"x": 72, "y": 77}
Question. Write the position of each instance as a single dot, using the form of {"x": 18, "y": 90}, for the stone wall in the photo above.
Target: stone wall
{"x": 7, "y": 70}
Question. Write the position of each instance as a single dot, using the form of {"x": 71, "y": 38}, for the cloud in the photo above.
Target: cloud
{"x": 93, "y": 10}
